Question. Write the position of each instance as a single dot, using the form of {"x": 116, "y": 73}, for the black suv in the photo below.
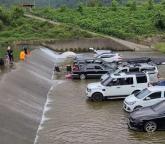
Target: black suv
{"x": 90, "y": 71}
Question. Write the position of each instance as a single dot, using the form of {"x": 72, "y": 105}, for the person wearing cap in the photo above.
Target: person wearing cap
{"x": 10, "y": 54}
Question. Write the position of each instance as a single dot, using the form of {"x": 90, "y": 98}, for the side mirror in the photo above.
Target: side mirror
{"x": 147, "y": 98}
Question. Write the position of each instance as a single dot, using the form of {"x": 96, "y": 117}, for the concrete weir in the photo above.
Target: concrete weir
{"x": 23, "y": 93}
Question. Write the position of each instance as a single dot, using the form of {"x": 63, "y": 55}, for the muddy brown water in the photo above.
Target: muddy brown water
{"x": 71, "y": 119}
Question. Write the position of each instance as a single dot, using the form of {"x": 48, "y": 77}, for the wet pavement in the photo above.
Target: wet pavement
{"x": 71, "y": 119}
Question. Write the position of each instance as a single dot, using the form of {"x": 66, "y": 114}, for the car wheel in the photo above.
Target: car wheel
{"x": 150, "y": 126}
{"x": 136, "y": 91}
{"x": 82, "y": 77}
{"x": 137, "y": 108}
{"x": 97, "y": 97}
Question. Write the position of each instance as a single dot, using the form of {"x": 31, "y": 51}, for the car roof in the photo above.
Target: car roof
{"x": 128, "y": 74}
{"x": 137, "y": 65}
{"x": 156, "y": 88}
{"x": 110, "y": 54}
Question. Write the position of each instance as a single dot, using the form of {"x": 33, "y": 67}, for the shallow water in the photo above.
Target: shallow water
{"x": 72, "y": 119}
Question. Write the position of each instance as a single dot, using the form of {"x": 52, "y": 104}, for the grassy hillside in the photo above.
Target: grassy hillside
{"x": 14, "y": 26}
{"x": 127, "y": 22}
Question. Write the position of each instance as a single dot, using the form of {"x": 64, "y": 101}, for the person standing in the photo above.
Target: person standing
{"x": 25, "y": 50}
{"x": 10, "y": 54}
{"x": 22, "y": 55}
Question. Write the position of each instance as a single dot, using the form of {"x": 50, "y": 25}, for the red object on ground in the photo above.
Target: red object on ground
{"x": 68, "y": 76}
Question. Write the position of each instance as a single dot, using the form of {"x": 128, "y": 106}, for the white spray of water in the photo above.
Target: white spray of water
{"x": 45, "y": 110}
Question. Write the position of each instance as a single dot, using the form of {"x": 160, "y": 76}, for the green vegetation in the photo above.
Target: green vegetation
{"x": 160, "y": 46}
{"x": 131, "y": 21}
{"x": 15, "y": 27}
{"x": 70, "y": 3}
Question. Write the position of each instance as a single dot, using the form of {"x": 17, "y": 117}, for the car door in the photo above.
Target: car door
{"x": 99, "y": 71}
{"x": 161, "y": 117}
{"x": 125, "y": 86}
{"x": 152, "y": 73}
{"x": 152, "y": 99}
{"x": 90, "y": 71}
{"x": 119, "y": 87}
{"x": 141, "y": 81}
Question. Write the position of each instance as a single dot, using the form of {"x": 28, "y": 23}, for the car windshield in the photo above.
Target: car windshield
{"x": 142, "y": 93}
{"x": 159, "y": 106}
{"x": 106, "y": 81}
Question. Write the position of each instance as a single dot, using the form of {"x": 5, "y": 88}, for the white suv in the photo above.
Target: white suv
{"x": 152, "y": 71}
{"x": 117, "y": 86}
{"x": 144, "y": 98}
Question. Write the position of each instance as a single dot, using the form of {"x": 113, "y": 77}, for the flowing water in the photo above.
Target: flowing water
{"x": 72, "y": 119}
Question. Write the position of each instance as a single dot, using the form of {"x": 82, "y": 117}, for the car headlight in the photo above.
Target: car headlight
{"x": 131, "y": 103}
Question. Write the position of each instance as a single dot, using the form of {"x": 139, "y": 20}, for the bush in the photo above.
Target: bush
{"x": 133, "y": 5}
{"x": 4, "y": 16}
{"x": 114, "y": 5}
{"x": 150, "y": 4}
{"x": 80, "y": 9}
{"x": 17, "y": 12}
{"x": 160, "y": 21}
{"x": 1, "y": 25}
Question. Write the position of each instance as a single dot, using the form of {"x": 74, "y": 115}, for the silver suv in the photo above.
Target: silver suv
{"x": 150, "y": 69}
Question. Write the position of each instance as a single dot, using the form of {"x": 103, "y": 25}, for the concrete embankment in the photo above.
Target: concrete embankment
{"x": 77, "y": 45}
{"x": 23, "y": 93}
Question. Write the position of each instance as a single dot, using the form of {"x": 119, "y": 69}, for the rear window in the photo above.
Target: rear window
{"x": 133, "y": 69}
{"x": 107, "y": 56}
{"x": 148, "y": 69}
{"x": 141, "y": 79}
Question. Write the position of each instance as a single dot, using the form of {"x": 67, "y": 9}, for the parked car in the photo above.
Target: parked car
{"x": 159, "y": 83}
{"x": 88, "y": 61}
{"x": 148, "y": 119}
{"x": 98, "y": 52}
{"x": 144, "y": 98}
{"x": 137, "y": 60}
{"x": 117, "y": 86}
{"x": 90, "y": 71}
{"x": 110, "y": 57}
{"x": 152, "y": 70}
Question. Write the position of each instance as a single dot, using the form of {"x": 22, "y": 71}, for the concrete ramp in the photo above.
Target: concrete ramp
{"x": 23, "y": 94}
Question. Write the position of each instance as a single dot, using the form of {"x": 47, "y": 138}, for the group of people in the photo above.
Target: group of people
{"x": 9, "y": 54}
